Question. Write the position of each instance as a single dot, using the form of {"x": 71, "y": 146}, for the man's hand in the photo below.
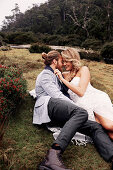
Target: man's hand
{"x": 59, "y": 74}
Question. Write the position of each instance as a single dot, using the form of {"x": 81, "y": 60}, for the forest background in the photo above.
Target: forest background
{"x": 83, "y": 23}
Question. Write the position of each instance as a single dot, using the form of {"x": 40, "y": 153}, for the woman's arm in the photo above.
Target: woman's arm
{"x": 66, "y": 75}
{"x": 84, "y": 80}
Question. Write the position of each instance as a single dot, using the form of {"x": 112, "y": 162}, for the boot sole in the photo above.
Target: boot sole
{"x": 44, "y": 168}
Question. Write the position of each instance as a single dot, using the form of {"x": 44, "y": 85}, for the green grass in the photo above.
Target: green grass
{"x": 25, "y": 145}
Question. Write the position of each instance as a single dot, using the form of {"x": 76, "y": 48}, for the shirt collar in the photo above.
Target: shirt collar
{"x": 49, "y": 68}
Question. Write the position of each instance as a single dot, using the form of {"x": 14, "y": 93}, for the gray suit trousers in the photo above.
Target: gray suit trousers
{"x": 72, "y": 119}
{"x": 68, "y": 116}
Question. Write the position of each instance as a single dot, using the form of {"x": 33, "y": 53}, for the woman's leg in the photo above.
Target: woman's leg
{"x": 106, "y": 123}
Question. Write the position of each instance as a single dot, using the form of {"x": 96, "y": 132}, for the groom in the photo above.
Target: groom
{"x": 53, "y": 105}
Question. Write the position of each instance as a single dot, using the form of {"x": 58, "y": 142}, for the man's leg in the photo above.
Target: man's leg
{"x": 68, "y": 115}
{"x": 100, "y": 138}
{"x": 71, "y": 117}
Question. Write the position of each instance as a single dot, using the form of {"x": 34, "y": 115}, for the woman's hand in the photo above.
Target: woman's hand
{"x": 84, "y": 80}
{"x": 59, "y": 74}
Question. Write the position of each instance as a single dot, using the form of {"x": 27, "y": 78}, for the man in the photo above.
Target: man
{"x": 53, "y": 105}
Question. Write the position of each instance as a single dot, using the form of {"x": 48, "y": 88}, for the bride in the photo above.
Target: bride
{"x": 77, "y": 79}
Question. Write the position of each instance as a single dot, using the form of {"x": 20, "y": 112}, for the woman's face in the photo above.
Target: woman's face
{"x": 68, "y": 65}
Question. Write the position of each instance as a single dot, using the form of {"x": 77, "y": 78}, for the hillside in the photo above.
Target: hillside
{"x": 67, "y": 21}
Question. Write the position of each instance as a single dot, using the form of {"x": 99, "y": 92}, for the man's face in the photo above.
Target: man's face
{"x": 68, "y": 65}
{"x": 60, "y": 63}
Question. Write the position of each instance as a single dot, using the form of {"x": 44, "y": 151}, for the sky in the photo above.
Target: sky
{"x": 7, "y": 5}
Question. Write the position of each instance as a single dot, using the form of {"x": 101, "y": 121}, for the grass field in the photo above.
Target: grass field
{"x": 25, "y": 145}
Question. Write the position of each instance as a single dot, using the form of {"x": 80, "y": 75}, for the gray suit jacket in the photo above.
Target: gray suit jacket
{"x": 47, "y": 86}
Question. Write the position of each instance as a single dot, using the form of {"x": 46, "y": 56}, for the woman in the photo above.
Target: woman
{"x": 77, "y": 79}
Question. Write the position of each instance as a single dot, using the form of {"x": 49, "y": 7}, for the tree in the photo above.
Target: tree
{"x": 10, "y": 20}
{"x": 79, "y": 21}
{"x": 16, "y": 11}
{"x": 108, "y": 10}
{"x": 86, "y": 18}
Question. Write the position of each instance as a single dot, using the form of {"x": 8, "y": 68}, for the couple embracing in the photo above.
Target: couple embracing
{"x": 69, "y": 100}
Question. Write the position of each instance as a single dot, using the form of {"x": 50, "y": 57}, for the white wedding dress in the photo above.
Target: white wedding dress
{"x": 94, "y": 101}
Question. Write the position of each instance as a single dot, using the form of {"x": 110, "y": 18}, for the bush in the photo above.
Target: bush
{"x": 5, "y": 107}
{"x": 1, "y": 41}
{"x": 61, "y": 40}
{"x": 20, "y": 38}
{"x": 12, "y": 84}
{"x": 12, "y": 91}
{"x": 92, "y": 43}
{"x": 36, "y": 48}
{"x": 54, "y": 39}
{"x": 74, "y": 40}
{"x": 11, "y": 72}
{"x": 93, "y": 56}
{"x": 107, "y": 53}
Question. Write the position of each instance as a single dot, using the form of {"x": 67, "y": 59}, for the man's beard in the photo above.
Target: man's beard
{"x": 59, "y": 68}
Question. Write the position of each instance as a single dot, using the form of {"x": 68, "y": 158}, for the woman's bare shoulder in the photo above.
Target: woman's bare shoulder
{"x": 84, "y": 68}
{"x": 83, "y": 71}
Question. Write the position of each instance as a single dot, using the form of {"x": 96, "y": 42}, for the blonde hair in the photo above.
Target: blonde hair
{"x": 72, "y": 55}
{"x": 49, "y": 57}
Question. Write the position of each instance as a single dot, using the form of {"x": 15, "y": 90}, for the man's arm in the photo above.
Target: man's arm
{"x": 49, "y": 85}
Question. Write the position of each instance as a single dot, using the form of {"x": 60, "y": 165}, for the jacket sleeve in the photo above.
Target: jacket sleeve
{"x": 49, "y": 85}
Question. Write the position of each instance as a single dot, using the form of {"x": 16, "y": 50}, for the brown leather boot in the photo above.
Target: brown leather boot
{"x": 52, "y": 161}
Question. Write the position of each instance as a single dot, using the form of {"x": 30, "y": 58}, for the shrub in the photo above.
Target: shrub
{"x": 1, "y": 41}
{"x": 12, "y": 84}
{"x": 10, "y": 72}
{"x": 36, "y": 48}
{"x": 62, "y": 40}
{"x": 92, "y": 43}
{"x": 74, "y": 40}
{"x": 107, "y": 53}
{"x": 2, "y": 70}
{"x": 94, "y": 56}
{"x": 24, "y": 38}
{"x": 12, "y": 91}
{"x": 20, "y": 38}
{"x": 5, "y": 107}
{"x": 50, "y": 39}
